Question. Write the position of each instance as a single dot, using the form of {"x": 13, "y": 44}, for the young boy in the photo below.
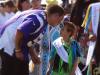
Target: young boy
{"x": 65, "y": 60}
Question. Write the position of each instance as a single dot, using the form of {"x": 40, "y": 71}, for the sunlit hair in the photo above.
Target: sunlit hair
{"x": 70, "y": 27}
{"x": 55, "y": 9}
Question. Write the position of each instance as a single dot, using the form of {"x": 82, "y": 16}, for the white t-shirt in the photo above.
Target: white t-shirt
{"x": 4, "y": 18}
{"x": 7, "y": 39}
{"x": 10, "y": 15}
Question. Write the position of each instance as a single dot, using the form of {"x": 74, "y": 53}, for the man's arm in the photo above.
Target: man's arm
{"x": 28, "y": 26}
{"x": 18, "y": 41}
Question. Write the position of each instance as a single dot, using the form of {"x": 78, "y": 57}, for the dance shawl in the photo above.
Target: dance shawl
{"x": 92, "y": 18}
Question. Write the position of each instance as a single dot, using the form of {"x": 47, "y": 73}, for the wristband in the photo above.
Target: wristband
{"x": 30, "y": 44}
{"x": 17, "y": 51}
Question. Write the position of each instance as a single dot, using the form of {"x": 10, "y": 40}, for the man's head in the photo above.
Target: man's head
{"x": 68, "y": 30}
{"x": 55, "y": 14}
{"x": 36, "y": 4}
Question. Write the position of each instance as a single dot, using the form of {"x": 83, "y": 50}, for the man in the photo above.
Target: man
{"x": 7, "y": 42}
{"x": 11, "y": 66}
{"x": 31, "y": 30}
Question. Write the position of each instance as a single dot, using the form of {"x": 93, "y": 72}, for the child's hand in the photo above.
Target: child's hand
{"x": 92, "y": 37}
{"x": 34, "y": 56}
{"x": 36, "y": 59}
{"x": 48, "y": 73}
{"x": 72, "y": 73}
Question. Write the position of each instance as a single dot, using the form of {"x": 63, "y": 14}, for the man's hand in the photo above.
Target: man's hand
{"x": 48, "y": 73}
{"x": 34, "y": 56}
{"x": 36, "y": 59}
{"x": 72, "y": 73}
{"x": 19, "y": 55}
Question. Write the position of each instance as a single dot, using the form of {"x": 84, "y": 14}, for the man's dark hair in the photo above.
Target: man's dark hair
{"x": 9, "y": 4}
{"x": 52, "y": 9}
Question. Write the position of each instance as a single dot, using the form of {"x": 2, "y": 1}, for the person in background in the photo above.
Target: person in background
{"x": 2, "y": 8}
{"x": 64, "y": 3}
{"x": 9, "y": 9}
{"x": 83, "y": 42}
{"x": 7, "y": 12}
{"x": 2, "y": 14}
{"x": 23, "y": 5}
{"x": 78, "y": 13}
{"x": 67, "y": 12}
{"x": 36, "y": 4}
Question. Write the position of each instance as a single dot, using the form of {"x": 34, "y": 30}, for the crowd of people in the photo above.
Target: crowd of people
{"x": 55, "y": 40}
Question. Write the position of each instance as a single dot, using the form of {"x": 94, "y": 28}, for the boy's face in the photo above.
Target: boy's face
{"x": 55, "y": 19}
{"x": 65, "y": 33}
